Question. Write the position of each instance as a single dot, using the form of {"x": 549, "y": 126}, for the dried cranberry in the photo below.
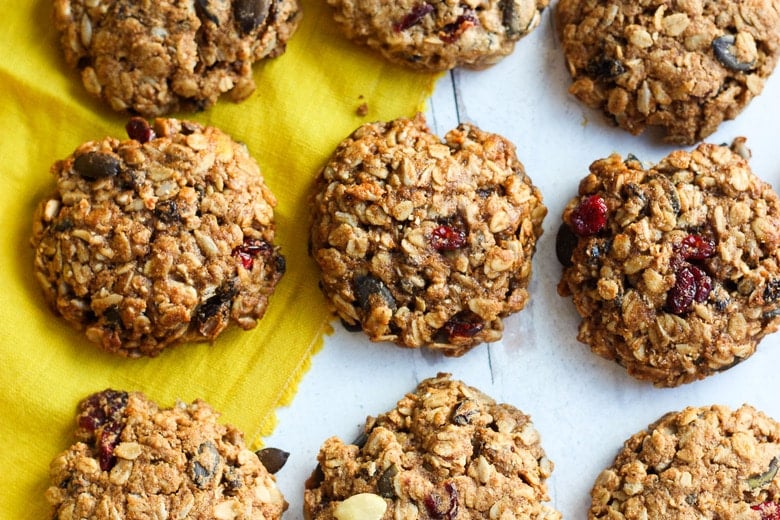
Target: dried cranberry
{"x": 447, "y": 238}
{"x": 465, "y": 324}
{"x": 691, "y": 284}
{"x": 696, "y": 247}
{"x": 451, "y": 32}
{"x": 102, "y": 414}
{"x": 590, "y": 216}
{"x": 414, "y": 17}
{"x": 435, "y": 505}
{"x": 250, "y": 249}
{"x": 769, "y": 510}
{"x": 138, "y": 129}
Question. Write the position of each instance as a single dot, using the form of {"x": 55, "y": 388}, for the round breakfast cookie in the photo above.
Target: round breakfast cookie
{"x": 166, "y": 237}
{"x": 439, "y": 35}
{"x": 154, "y": 58}
{"x": 133, "y": 459}
{"x": 684, "y": 66}
{"x": 673, "y": 268}
{"x": 446, "y": 451}
{"x": 425, "y": 242}
{"x": 704, "y": 463}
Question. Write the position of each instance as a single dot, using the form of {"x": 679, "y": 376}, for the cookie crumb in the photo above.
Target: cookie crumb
{"x": 362, "y": 109}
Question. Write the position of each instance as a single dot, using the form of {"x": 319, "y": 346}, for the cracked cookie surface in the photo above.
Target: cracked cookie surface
{"x": 684, "y": 66}
{"x": 446, "y": 451}
{"x": 439, "y": 35}
{"x": 133, "y": 459}
{"x": 425, "y": 242}
{"x": 155, "y": 58}
{"x": 147, "y": 244}
{"x": 674, "y": 269}
{"x": 703, "y": 462}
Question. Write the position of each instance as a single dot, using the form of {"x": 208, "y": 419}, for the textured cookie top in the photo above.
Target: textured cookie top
{"x": 708, "y": 463}
{"x": 673, "y": 268}
{"x": 154, "y": 58}
{"x": 446, "y": 451}
{"x": 423, "y": 242}
{"x": 163, "y": 238}
{"x": 439, "y": 35}
{"x": 685, "y": 66}
{"x": 136, "y": 460}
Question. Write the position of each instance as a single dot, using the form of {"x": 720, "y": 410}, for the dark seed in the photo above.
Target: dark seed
{"x": 723, "y": 47}
{"x": 273, "y": 459}
{"x": 772, "y": 290}
{"x": 605, "y": 68}
{"x": 368, "y": 288}
{"x": 510, "y": 18}
{"x": 139, "y": 129}
{"x": 464, "y": 412}
{"x": 565, "y": 243}
{"x": 414, "y": 17}
{"x": 763, "y": 479}
{"x": 96, "y": 165}
{"x": 231, "y": 480}
{"x": 204, "y": 465}
{"x": 315, "y": 479}
{"x": 350, "y": 327}
{"x": 250, "y": 13}
{"x": 631, "y": 159}
{"x": 386, "y": 485}
{"x": 202, "y": 9}
{"x": 167, "y": 211}
{"x": 63, "y": 225}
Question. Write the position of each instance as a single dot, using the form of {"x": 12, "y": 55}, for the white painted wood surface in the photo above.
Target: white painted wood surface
{"x": 584, "y": 407}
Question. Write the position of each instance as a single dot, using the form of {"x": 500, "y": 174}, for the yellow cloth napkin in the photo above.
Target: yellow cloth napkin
{"x": 305, "y": 103}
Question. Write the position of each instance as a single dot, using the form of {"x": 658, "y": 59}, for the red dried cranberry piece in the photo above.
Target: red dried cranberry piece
{"x": 249, "y": 250}
{"x": 102, "y": 414}
{"x": 138, "y": 129}
{"x": 691, "y": 284}
{"x": 465, "y": 324}
{"x": 696, "y": 247}
{"x": 769, "y": 510}
{"x": 447, "y": 238}
{"x": 414, "y": 17}
{"x": 590, "y": 216}
{"x": 451, "y": 32}
{"x": 435, "y": 505}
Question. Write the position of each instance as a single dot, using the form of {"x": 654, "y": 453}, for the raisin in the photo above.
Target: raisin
{"x": 139, "y": 130}
{"x": 452, "y": 31}
{"x": 438, "y": 508}
{"x": 604, "y": 68}
{"x": 696, "y": 247}
{"x": 250, "y": 249}
{"x": 219, "y": 303}
{"x": 590, "y": 216}
{"x": 414, "y": 17}
{"x": 102, "y": 415}
{"x": 447, "y": 238}
{"x": 691, "y": 284}
{"x": 465, "y": 324}
{"x": 769, "y": 510}
{"x": 167, "y": 211}
{"x": 723, "y": 48}
{"x": 272, "y": 458}
{"x": 96, "y": 165}
{"x": 202, "y": 10}
{"x": 386, "y": 483}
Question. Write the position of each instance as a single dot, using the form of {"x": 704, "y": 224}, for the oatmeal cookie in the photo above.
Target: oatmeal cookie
{"x": 709, "y": 462}
{"x": 439, "y": 35}
{"x": 425, "y": 242}
{"x": 133, "y": 459}
{"x": 446, "y": 451}
{"x": 673, "y": 268}
{"x": 163, "y": 238}
{"x": 683, "y": 66}
{"x": 154, "y": 58}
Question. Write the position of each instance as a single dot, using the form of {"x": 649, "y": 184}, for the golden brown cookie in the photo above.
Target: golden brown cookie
{"x": 446, "y": 451}
{"x": 133, "y": 459}
{"x": 154, "y": 58}
{"x": 439, "y": 35}
{"x": 673, "y": 268}
{"x": 425, "y": 242}
{"x": 703, "y": 462}
{"x": 163, "y": 238}
{"x": 684, "y": 66}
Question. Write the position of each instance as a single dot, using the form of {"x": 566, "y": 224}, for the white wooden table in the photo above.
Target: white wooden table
{"x": 584, "y": 407}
